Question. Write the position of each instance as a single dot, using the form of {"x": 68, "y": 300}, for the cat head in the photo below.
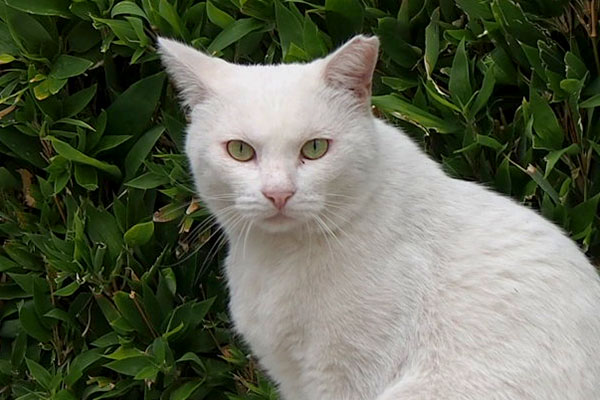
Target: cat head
{"x": 279, "y": 147}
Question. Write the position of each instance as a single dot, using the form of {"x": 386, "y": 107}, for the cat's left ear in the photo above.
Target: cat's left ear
{"x": 192, "y": 71}
{"x": 351, "y": 66}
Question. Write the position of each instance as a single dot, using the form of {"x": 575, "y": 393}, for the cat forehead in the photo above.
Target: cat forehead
{"x": 277, "y": 80}
{"x": 267, "y": 102}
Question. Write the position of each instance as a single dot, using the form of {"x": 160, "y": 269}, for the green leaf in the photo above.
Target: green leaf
{"x": 140, "y": 150}
{"x": 476, "y": 9}
{"x": 24, "y": 257}
{"x": 139, "y": 234}
{"x": 149, "y": 180}
{"x": 10, "y": 291}
{"x": 110, "y": 339}
{"x": 7, "y": 264}
{"x": 108, "y": 309}
{"x": 169, "y": 13}
{"x": 75, "y": 122}
{"x": 484, "y": 94}
{"x": 130, "y": 366}
{"x": 86, "y": 177}
{"x": 410, "y": 113}
{"x": 124, "y": 352}
{"x": 503, "y": 67}
{"x": 186, "y": 390}
{"x": 432, "y": 91}
{"x": 295, "y": 54}
{"x": 583, "y": 214}
{"x": 64, "y": 394}
{"x": 543, "y": 183}
{"x": 553, "y": 157}
{"x": 130, "y": 309}
{"x": 31, "y": 36}
{"x": 312, "y": 39}
{"x": 103, "y": 228}
{"x": 169, "y": 212}
{"x": 148, "y": 372}
{"x": 67, "y": 290}
{"x": 67, "y": 66}
{"x": 402, "y": 53}
{"x": 32, "y": 323}
{"x": 42, "y": 7}
{"x": 432, "y": 42}
{"x": 122, "y": 29}
{"x": 132, "y": 111}
{"x": 549, "y": 134}
{"x": 25, "y": 147}
{"x": 533, "y": 56}
{"x": 108, "y": 142}
{"x": 576, "y": 68}
{"x": 128, "y": 8}
{"x": 592, "y": 102}
{"x": 26, "y": 281}
{"x": 61, "y": 315}
{"x": 399, "y": 83}
{"x": 74, "y": 155}
{"x": 490, "y": 142}
{"x": 75, "y": 103}
{"x": 572, "y": 87}
{"x": 218, "y": 17}
{"x": 503, "y": 181}
{"x": 7, "y": 181}
{"x": 6, "y": 58}
{"x": 233, "y": 33}
{"x": 516, "y": 22}
{"x": 460, "y": 81}
{"x": 39, "y": 373}
{"x": 190, "y": 314}
{"x": 19, "y": 347}
{"x": 189, "y": 356}
{"x": 344, "y": 18}
{"x": 159, "y": 349}
{"x": 289, "y": 27}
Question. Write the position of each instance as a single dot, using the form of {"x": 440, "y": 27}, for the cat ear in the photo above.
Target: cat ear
{"x": 189, "y": 69}
{"x": 351, "y": 66}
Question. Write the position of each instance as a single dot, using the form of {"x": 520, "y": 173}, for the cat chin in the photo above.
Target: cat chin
{"x": 279, "y": 224}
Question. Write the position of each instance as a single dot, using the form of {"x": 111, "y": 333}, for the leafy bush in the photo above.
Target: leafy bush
{"x": 110, "y": 269}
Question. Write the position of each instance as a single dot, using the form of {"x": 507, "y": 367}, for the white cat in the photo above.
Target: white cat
{"x": 357, "y": 269}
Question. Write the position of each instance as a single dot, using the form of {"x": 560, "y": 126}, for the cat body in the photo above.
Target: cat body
{"x": 379, "y": 278}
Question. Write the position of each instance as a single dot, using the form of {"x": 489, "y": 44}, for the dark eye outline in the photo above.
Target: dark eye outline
{"x": 241, "y": 143}
{"x": 327, "y": 144}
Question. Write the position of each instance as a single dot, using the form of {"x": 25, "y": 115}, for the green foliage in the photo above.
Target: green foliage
{"x": 111, "y": 285}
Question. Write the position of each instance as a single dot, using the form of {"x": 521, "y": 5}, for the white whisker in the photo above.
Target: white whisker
{"x": 246, "y": 237}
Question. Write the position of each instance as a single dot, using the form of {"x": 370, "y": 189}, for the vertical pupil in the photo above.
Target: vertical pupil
{"x": 241, "y": 146}
{"x": 315, "y": 145}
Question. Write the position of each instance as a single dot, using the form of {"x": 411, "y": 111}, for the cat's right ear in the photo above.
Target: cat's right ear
{"x": 351, "y": 66}
{"x": 190, "y": 70}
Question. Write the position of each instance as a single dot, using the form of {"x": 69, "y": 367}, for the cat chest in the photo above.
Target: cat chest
{"x": 305, "y": 325}
{"x": 316, "y": 335}
{"x": 272, "y": 314}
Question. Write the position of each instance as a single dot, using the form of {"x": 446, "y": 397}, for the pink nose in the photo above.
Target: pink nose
{"x": 278, "y": 198}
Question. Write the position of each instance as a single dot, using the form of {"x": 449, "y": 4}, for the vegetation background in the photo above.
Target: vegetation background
{"x": 110, "y": 280}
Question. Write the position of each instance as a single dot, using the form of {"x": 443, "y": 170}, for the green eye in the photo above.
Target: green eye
{"x": 315, "y": 148}
{"x": 240, "y": 151}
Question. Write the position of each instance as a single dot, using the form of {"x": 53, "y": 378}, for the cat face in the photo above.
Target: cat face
{"x": 282, "y": 147}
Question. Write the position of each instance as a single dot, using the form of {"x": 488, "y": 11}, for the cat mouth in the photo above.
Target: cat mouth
{"x": 278, "y": 218}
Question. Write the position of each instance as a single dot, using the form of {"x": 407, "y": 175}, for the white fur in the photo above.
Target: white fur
{"x": 413, "y": 285}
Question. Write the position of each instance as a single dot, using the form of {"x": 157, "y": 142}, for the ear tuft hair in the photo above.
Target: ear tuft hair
{"x": 189, "y": 69}
{"x": 351, "y": 66}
